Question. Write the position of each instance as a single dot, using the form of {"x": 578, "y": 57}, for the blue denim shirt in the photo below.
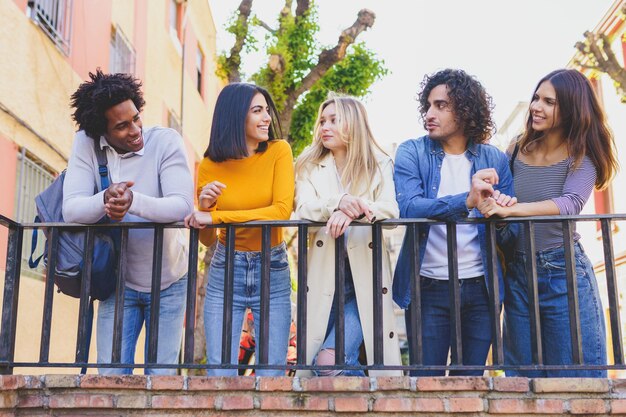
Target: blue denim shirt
{"x": 417, "y": 177}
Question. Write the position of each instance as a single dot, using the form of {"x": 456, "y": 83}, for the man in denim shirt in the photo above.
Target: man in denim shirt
{"x": 443, "y": 176}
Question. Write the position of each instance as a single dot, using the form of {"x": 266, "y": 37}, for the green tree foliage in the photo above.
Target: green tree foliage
{"x": 299, "y": 72}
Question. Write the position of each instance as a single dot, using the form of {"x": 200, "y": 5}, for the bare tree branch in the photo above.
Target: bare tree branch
{"x": 233, "y": 60}
{"x": 330, "y": 57}
{"x": 301, "y": 7}
{"x": 597, "y": 49}
{"x": 265, "y": 26}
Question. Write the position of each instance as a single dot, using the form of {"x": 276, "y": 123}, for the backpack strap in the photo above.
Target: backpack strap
{"x": 513, "y": 156}
{"x": 33, "y": 246}
{"x": 103, "y": 170}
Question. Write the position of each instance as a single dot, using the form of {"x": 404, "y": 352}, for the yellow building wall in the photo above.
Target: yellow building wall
{"x": 36, "y": 84}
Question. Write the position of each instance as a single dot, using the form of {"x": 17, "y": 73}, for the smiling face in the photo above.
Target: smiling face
{"x": 258, "y": 122}
{"x": 440, "y": 120}
{"x": 330, "y": 129}
{"x": 124, "y": 127}
{"x": 544, "y": 108}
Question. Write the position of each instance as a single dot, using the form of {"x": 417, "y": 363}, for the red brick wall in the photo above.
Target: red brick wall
{"x": 65, "y": 395}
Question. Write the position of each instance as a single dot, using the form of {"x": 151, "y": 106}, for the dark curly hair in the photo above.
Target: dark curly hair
{"x": 93, "y": 98}
{"x": 471, "y": 103}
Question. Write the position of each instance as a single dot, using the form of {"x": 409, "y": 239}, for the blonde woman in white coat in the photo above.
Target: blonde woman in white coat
{"x": 344, "y": 176}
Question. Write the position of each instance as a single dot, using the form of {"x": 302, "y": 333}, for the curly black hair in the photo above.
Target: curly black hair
{"x": 471, "y": 103}
{"x": 93, "y": 98}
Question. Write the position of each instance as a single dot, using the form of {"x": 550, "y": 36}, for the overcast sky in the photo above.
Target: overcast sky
{"x": 507, "y": 44}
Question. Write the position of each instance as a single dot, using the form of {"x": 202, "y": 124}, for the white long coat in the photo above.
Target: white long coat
{"x": 317, "y": 196}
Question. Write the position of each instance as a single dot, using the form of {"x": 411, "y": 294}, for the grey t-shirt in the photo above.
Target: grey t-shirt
{"x": 569, "y": 190}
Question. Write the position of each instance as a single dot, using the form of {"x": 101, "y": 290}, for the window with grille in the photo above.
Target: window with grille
{"x": 32, "y": 178}
{"x": 122, "y": 53}
{"x": 54, "y": 17}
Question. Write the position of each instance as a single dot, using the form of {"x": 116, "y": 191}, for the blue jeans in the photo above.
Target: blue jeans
{"x": 353, "y": 333}
{"x": 437, "y": 331}
{"x": 136, "y": 313}
{"x": 247, "y": 294}
{"x": 554, "y": 315}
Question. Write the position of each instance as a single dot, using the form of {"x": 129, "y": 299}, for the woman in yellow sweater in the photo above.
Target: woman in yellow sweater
{"x": 247, "y": 174}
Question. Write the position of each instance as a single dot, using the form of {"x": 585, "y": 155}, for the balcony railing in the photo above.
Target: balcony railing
{"x": 54, "y": 17}
{"x": 415, "y": 343}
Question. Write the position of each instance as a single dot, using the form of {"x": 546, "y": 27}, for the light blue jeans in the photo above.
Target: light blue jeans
{"x": 554, "y": 315}
{"x": 353, "y": 332}
{"x": 247, "y": 294}
{"x": 136, "y": 313}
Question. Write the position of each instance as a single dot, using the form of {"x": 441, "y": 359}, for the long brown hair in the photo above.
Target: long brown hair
{"x": 582, "y": 121}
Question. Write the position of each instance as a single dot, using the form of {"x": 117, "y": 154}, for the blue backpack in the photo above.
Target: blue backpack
{"x": 71, "y": 244}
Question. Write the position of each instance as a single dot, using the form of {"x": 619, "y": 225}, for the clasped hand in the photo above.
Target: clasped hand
{"x": 117, "y": 200}
{"x": 350, "y": 208}
{"x": 482, "y": 195}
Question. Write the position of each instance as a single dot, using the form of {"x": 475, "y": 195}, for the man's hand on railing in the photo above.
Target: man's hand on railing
{"x": 198, "y": 219}
{"x": 481, "y": 187}
{"x": 337, "y": 224}
{"x": 118, "y": 199}
{"x": 209, "y": 194}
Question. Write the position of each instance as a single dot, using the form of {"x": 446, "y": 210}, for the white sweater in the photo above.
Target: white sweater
{"x": 163, "y": 193}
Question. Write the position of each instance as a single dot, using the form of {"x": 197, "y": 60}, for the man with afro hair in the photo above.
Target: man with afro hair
{"x": 150, "y": 182}
{"x": 443, "y": 176}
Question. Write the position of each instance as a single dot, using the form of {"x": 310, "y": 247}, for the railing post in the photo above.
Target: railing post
{"x": 340, "y": 300}
{"x": 492, "y": 276}
{"x": 120, "y": 293}
{"x": 11, "y": 297}
{"x": 82, "y": 354}
{"x": 612, "y": 292}
{"x": 302, "y": 293}
{"x": 229, "y": 276}
{"x": 572, "y": 291}
{"x": 414, "y": 322}
{"x": 192, "y": 282}
{"x": 264, "y": 325}
{"x": 456, "y": 341}
{"x": 46, "y": 320}
{"x": 377, "y": 269}
{"x": 155, "y": 295}
{"x": 533, "y": 296}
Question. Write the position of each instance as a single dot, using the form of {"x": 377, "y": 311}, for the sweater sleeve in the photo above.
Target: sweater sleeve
{"x": 80, "y": 205}
{"x": 411, "y": 191}
{"x": 282, "y": 193}
{"x": 176, "y": 186}
{"x": 577, "y": 188}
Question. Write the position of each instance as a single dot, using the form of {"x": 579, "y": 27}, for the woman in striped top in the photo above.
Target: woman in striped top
{"x": 565, "y": 150}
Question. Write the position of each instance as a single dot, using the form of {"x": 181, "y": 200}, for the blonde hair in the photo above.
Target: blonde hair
{"x": 355, "y": 132}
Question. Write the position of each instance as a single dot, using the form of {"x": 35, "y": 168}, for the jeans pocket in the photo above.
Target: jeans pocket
{"x": 427, "y": 283}
{"x": 279, "y": 261}
{"x": 218, "y": 260}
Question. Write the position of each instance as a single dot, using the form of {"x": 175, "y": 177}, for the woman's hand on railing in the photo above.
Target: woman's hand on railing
{"x": 209, "y": 194}
{"x": 497, "y": 206}
{"x": 198, "y": 219}
{"x": 338, "y": 223}
{"x": 354, "y": 207}
{"x": 503, "y": 200}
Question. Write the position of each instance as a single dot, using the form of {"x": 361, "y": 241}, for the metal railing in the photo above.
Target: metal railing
{"x": 415, "y": 343}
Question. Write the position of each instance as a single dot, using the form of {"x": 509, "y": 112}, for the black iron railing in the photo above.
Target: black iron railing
{"x": 415, "y": 343}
